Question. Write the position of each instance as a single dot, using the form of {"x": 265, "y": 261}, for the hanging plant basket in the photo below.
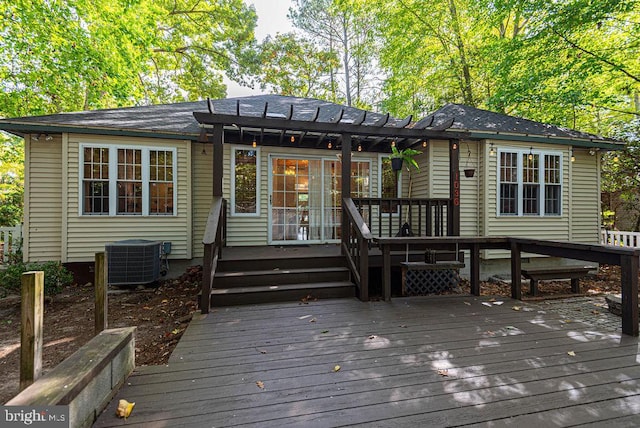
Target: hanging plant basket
{"x": 396, "y": 164}
{"x": 470, "y": 172}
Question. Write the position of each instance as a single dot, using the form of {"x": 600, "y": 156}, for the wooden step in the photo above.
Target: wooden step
{"x": 279, "y": 276}
{"x": 294, "y": 262}
{"x": 281, "y": 293}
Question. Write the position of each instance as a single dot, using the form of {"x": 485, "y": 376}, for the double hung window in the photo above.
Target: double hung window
{"x": 529, "y": 183}
{"x": 127, "y": 181}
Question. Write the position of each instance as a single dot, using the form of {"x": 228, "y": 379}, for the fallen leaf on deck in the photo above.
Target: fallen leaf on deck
{"x": 571, "y": 354}
{"x": 336, "y": 369}
{"x": 124, "y": 409}
{"x": 403, "y": 326}
{"x": 443, "y": 372}
{"x": 175, "y": 331}
{"x": 498, "y": 303}
{"x": 467, "y": 303}
{"x": 373, "y": 336}
{"x": 260, "y": 384}
{"x": 487, "y": 304}
{"x": 516, "y": 308}
{"x": 312, "y": 320}
{"x": 324, "y": 331}
{"x": 492, "y": 299}
{"x": 510, "y": 327}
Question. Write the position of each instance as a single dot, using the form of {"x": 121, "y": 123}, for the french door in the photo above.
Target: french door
{"x": 305, "y": 198}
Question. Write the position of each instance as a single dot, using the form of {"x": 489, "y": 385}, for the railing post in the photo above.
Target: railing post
{"x": 101, "y": 283}
{"x": 516, "y": 271}
{"x": 32, "y": 314}
{"x": 474, "y": 255}
{"x": 629, "y": 283}
{"x": 386, "y": 272}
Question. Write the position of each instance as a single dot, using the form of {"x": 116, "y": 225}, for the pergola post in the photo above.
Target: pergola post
{"x": 453, "y": 214}
{"x": 346, "y": 186}
{"x": 218, "y": 158}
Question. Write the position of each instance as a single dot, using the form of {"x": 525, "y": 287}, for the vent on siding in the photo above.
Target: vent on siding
{"x": 134, "y": 261}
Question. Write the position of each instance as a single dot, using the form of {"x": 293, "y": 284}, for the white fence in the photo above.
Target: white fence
{"x": 620, "y": 238}
{"x": 10, "y": 242}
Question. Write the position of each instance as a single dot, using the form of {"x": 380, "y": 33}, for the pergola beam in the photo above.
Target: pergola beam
{"x": 334, "y": 129}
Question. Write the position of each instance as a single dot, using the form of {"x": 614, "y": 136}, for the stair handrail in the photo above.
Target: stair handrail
{"x": 213, "y": 240}
{"x": 357, "y": 255}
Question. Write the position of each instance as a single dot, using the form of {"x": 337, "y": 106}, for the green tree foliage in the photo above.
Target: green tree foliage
{"x": 293, "y": 66}
{"x": 574, "y": 63}
{"x": 66, "y": 55}
{"x": 11, "y": 181}
{"x": 621, "y": 176}
{"x": 345, "y": 29}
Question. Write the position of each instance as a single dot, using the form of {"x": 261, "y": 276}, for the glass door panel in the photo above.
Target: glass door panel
{"x": 293, "y": 214}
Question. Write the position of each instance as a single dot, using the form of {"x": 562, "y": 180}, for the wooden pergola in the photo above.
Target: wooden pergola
{"x": 363, "y": 133}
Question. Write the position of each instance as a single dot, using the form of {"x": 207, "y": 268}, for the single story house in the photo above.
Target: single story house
{"x": 149, "y": 172}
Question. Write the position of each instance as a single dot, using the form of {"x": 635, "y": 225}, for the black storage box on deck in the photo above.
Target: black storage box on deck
{"x": 133, "y": 262}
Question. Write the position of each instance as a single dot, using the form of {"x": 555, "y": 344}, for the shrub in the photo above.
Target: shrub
{"x": 56, "y": 276}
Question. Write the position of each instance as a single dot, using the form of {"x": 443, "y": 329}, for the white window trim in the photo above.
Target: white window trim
{"x": 113, "y": 179}
{"x": 520, "y": 152}
{"x": 234, "y": 148}
{"x": 363, "y": 160}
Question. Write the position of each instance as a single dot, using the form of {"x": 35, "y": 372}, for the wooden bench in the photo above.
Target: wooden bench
{"x": 87, "y": 380}
{"x": 574, "y": 273}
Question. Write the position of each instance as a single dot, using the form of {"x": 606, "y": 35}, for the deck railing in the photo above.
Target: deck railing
{"x": 627, "y": 258}
{"x": 620, "y": 238}
{"x": 10, "y": 242}
{"x": 214, "y": 239}
{"x": 356, "y": 247}
{"x": 387, "y": 216}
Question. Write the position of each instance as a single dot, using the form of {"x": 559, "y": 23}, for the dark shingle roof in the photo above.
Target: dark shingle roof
{"x": 177, "y": 121}
{"x": 475, "y": 119}
{"x": 178, "y": 118}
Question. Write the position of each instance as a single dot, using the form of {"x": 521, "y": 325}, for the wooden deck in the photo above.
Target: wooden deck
{"x": 419, "y": 361}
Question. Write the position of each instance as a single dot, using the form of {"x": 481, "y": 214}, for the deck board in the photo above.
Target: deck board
{"x": 503, "y": 367}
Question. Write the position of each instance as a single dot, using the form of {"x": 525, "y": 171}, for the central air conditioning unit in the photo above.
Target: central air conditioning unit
{"x": 133, "y": 262}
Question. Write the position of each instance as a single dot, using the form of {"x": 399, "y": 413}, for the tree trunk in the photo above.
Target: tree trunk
{"x": 467, "y": 88}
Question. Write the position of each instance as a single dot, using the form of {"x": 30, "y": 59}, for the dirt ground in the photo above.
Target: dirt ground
{"x": 162, "y": 314}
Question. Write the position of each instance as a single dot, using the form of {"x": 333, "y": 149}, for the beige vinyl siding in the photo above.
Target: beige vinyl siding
{"x": 421, "y": 179}
{"x": 469, "y": 190}
{"x": 43, "y": 199}
{"x": 439, "y": 169}
{"x": 201, "y": 193}
{"x": 87, "y": 235}
{"x": 585, "y": 201}
{"x": 543, "y": 227}
{"x": 540, "y": 227}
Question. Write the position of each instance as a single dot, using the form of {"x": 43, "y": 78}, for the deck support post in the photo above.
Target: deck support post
{"x": 218, "y": 158}
{"x": 31, "y": 318}
{"x": 101, "y": 302}
{"x": 516, "y": 271}
{"x": 205, "y": 295}
{"x": 453, "y": 213}
{"x": 386, "y": 272}
{"x": 346, "y": 188}
{"x": 629, "y": 280}
{"x": 364, "y": 270}
{"x": 474, "y": 256}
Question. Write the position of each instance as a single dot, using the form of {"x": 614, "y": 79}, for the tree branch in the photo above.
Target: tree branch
{"x": 594, "y": 55}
